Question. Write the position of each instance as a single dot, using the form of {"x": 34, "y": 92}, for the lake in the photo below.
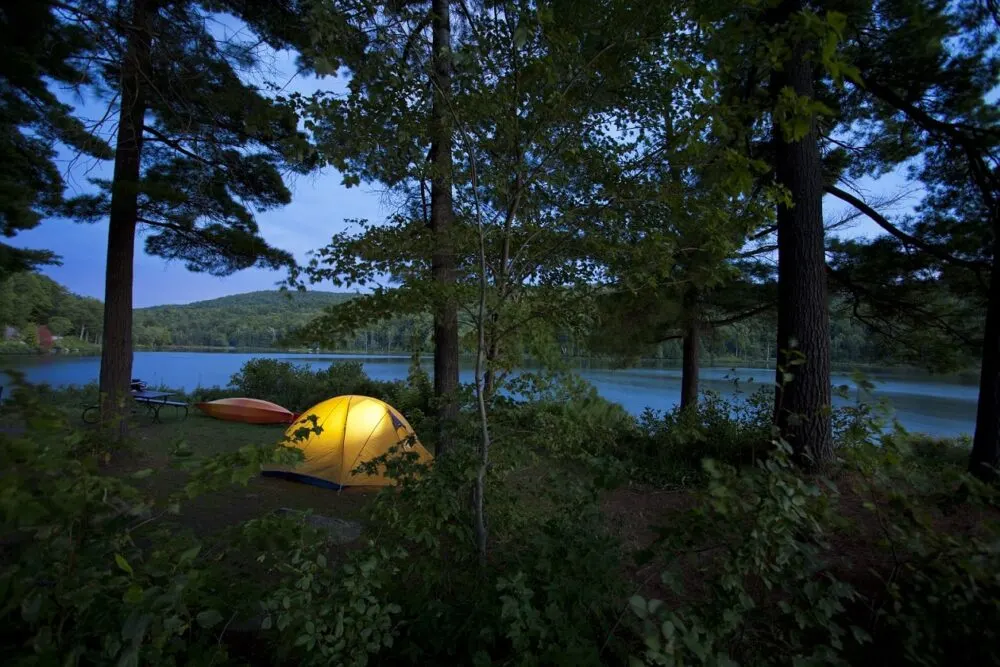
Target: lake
{"x": 921, "y": 403}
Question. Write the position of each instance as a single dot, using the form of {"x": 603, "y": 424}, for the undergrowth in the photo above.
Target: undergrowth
{"x": 892, "y": 558}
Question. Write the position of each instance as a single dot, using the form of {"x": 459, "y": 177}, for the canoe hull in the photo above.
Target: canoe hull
{"x": 247, "y": 410}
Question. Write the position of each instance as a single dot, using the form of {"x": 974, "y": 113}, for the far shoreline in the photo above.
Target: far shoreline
{"x": 964, "y": 376}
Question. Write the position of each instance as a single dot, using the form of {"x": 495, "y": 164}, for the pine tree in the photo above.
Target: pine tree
{"x": 802, "y": 396}
{"x": 37, "y": 48}
{"x": 442, "y": 215}
{"x": 920, "y": 88}
{"x": 691, "y": 194}
{"x": 196, "y": 148}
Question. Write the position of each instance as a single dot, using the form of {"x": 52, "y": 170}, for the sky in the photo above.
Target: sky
{"x": 320, "y": 205}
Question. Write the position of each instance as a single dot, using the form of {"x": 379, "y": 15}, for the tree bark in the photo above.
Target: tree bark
{"x": 985, "y": 457}
{"x": 446, "y": 349}
{"x": 116, "y": 354}
{"x": 802, "y": 397}
{"x": 690, "y": 362}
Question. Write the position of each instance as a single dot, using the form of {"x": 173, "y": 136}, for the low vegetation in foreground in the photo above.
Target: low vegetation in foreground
{"x": 612, "y": 541}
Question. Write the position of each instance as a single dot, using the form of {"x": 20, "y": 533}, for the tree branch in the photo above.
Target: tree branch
{"x": 906, "y": 239}
{"x": 715, "y": 324}
{"x": 167, "y": 141}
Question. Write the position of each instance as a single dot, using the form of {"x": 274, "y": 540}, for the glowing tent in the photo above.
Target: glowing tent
{"x": 356, "y": 429}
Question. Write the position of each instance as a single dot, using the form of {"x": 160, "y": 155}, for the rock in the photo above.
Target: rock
{"x": 340, "y": 531}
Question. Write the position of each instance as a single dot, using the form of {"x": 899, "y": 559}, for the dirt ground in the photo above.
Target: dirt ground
{"x": 212, "y": 512}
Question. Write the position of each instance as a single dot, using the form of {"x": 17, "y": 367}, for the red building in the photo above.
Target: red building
{"x": 44, "y": 338}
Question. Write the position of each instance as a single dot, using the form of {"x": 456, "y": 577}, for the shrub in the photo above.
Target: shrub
{"x": 91, "y": 574}
{"x": 547, "y": 593}
{"x": 768, "y": 598}
{"x": 560, "y": 416}
{"x": 862, "y": 421}
{"x": 298, "y": 387}
{"x": 931, "y": 452}
{"x": 896, "y": 564}
{"x": 774, "y": 589}
{"x": 670, "y": 446}
{"x": 316, "y": 612}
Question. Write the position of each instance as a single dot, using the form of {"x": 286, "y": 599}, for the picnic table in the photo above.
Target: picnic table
{"x": 153, "y": 401}
{"x": 156, "y": 401}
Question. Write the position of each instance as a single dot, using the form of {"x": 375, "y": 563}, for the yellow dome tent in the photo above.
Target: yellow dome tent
{"x": 356, "y": 429}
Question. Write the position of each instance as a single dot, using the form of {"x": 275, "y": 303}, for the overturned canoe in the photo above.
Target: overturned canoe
{"x": 249, "y": 410}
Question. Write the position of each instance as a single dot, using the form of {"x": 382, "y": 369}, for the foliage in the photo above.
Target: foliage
{"x": 773, "y": 586}
{"x": 91, "y": 571}
{"x": 214, "y": 146}
{"x": 546, "y": 594}
{"x": 275, "y": 319}
{"x": 669, "y": 446}
{"x": 931, "y": 453}
{"x": 558, "y": 415}
{"x": 767, "y": 599}
{"x": 95, "y": 566}
{"x": 942, "y": 533}
{"x": 39, "y": 52}
{"x": 28, "y": 299}
{"x": 298, "y": 387}
{"x": 271, "y": 319}
{"x": 324, "y": 613}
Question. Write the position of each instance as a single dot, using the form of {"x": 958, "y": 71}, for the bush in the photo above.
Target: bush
{"x": 670, "y": 446}
{"x": 298, "y": 387}
{"x": 561, "y": 416}
{"x": 931, "y": 452}
{"x": 773, "y": 586}
{"x": 92, "y": 573}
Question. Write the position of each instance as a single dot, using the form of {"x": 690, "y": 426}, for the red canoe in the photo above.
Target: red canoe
{"x": 249, "y": 410}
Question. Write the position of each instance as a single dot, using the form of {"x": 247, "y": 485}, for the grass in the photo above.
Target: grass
{"x": 211, "y": 513}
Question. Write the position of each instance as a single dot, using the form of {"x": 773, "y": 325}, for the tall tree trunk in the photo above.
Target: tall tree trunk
{"x": 985, "y": 457}
{"x": 802, "y": 401}
{"x": 116, "y": 354}
{"x": 442, "y": 218}
{"x": 690, "y": 363}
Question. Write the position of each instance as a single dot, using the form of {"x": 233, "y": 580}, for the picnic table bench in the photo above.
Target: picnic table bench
{"x": 152, "y": 401}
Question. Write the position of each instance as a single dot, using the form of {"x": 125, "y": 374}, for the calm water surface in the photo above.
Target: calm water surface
{"x": 921, "y": 403}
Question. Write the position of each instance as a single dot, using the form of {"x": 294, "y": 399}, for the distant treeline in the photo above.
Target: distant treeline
{"x": 258, "y": 320}
{"x": 269, "y": 320}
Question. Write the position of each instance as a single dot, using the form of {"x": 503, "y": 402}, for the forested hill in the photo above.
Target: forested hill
{"x": 253, "y": 319}
{"x": 28, "y": 300}
{"x": 266, "y": 319}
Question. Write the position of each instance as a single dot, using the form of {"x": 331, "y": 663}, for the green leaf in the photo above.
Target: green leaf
{"x": 30, "y": 608}
{"x": 133, "y": 595}
{"x": 520, "y": 36}
{"x": 638, "y": 604}
{"x": 209, "y": 618}
{"x": 123, "y": 564}
{"x": 189, "y": 554}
